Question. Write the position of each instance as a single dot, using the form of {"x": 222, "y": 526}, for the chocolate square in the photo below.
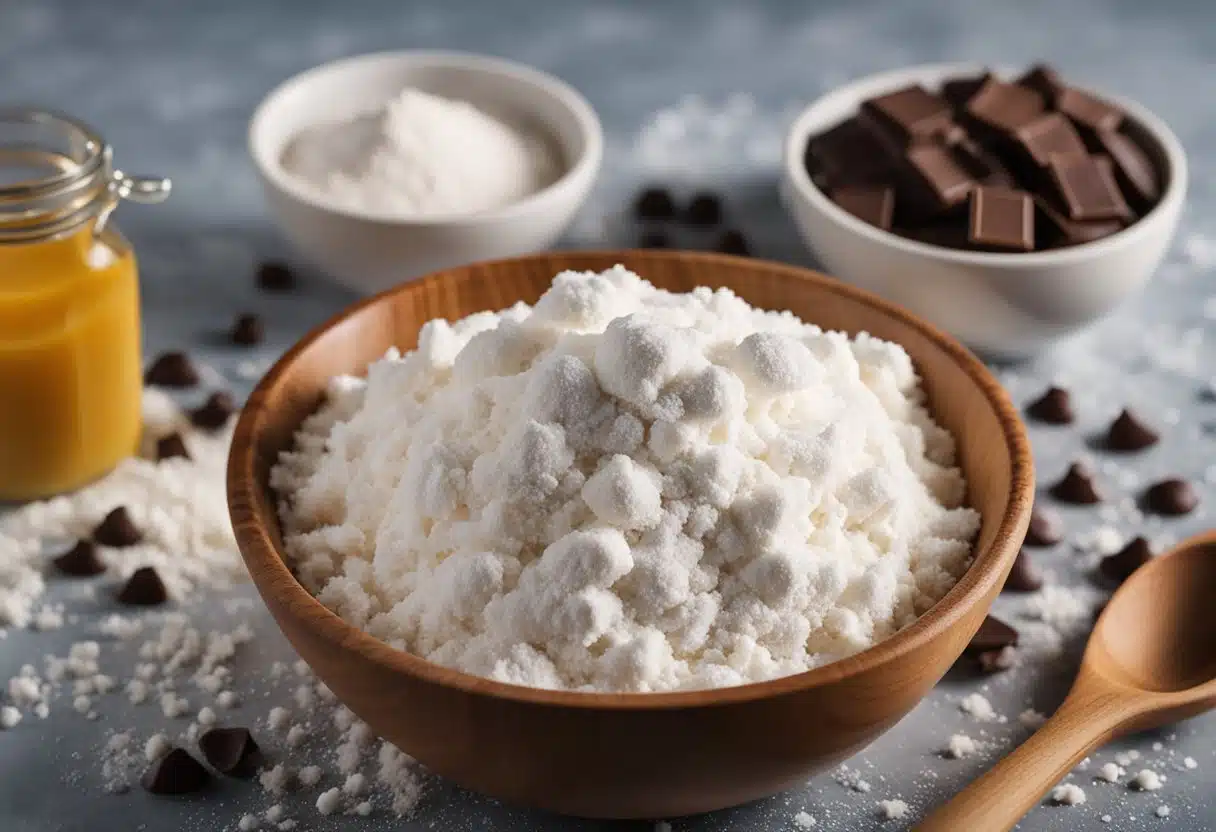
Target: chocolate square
{"x": 905, "y": 116}
{"x": 935, "y": 179}
{"x": 1054, "y": 230}
{"x": 848, "y": 154}
{"x": 1001, "y": 219}
{"x": 1085, "y": 186}
{"x": 874, "y": 204}
{"x": 1044, "y": 80}
{"x": 958, "y": 91}
{"x": 1048, "y": 134}
{"x": 1003, "y": 107}
{"x": 1090, "y": 113}
{"x": 1134, "y": 171}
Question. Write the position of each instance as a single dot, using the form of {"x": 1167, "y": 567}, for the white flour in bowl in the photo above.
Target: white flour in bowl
{"x": 624, "y": 489}
{"x": 422, "y": 155}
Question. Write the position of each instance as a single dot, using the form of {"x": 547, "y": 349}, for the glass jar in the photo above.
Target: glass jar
{"x": 70, "y": 369}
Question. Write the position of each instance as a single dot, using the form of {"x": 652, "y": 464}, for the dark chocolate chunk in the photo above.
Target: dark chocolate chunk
{"x": 1003, "y": 107}
{"x": 1172, "y": 496}
{"x": 1134, "y": 171}
{"x": 170, "y": 446}
{"x": 175, "y": 773}
{"x": 143, "y": 589}
{"x": 1090, "y": 113}
{"x": 908, "y": 115}
{"x": 247, "y": 330}
{"x": 117, "y": 529}
{"x": 1120, "y": 566}
{"x": 1045, "y": 81}
{"x": 81, "y": 561}
{"x": 1129, "y": 433}
{"x": 1024, "y": 576}
{"x": 983, "y": 166}
{"x": 874, "y": 204}
{"x": 1053, "y": 407}
{"x": 1085, "y": 186}
{"x": 654, "y": 238}
{"x": 1045, "y": 529}
{"x": 171, "y": 369}
{"x": 214, "y": 412}
{"x": 1048, "y": 134}
{"x": 654, "y": 203}
{"x": 993, "y": 661}
{"x": 275, "y": 276}
{"x": 1001, "y": 219}
{"x": 848, "y": 154}
{"x": 704, "y": 210}
{"x": 1056, "y": 230}
{"x": 732, "y": 241}
{"x": 231, "y": 751}
{"x": 1077, "y": 486}
{"x": 993, "y": 634}
{"x": 937, "y": 180}
{"x": 958, "y": 91}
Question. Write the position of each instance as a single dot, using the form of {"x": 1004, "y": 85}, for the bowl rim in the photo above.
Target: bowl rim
{"x": 982, "y": 577}
{"x": 588, "y": 162}
{"x": 797, "y": 176}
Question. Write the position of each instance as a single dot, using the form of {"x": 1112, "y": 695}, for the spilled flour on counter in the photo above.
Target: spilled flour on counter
{"x": 627, "y": 489}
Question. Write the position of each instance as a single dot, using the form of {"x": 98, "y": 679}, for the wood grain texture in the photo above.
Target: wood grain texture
{"x": 632, "y": 755}
{"x": 1150, "y": 661}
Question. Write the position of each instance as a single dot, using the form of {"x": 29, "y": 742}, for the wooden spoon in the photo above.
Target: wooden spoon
{"x": 1151, "y": 660}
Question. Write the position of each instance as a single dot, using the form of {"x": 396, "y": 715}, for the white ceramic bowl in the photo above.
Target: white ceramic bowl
{"x": 369, "y": 252}
{"x": 999, "y": 304}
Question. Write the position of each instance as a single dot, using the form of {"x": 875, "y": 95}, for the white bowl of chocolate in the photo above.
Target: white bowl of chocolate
{"x": 1011, "y": 210}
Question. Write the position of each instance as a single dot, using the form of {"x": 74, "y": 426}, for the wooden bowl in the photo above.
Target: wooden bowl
{"x": 631, "y": 755}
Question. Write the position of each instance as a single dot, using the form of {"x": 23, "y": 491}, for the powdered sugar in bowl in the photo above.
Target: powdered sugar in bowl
{"x": 382, "y": 167}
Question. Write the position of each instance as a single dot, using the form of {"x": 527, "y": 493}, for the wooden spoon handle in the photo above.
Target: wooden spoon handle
{"x": 1000, "y": 797}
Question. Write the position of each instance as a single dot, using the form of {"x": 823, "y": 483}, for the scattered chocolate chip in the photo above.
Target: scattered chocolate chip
{"x": 214, "y": 412}
{"x": 1129, "y": 433}
{"x": 231, "y": 751}
{"x": 1077, "y": 486}
{"x": 994, "y": 661}
{"x": 143, "y": 589}
{"x": 1053, "y": 407}
{"x": 275, "y": 276}
{"x": 1171, "y": 496}
{"x": 170, "y": 446}
{"x": 1120, "y": 566}
{"x": 732, "y": 241}
{"x": 117, "y": 529}
{"x": 81, "y": 560}
{"x": 247, "y": 330}
{"x": 653, "y": 238}
{"x": 175, "y": 773}
{"x": 654, "y": 203}
{"x": 704, "y": 210}
{"x": 1024, "y": 576}
{"x": 171, "y": 369}
{"x": 993, "y": 634}
{"x": 1045, "y": 529}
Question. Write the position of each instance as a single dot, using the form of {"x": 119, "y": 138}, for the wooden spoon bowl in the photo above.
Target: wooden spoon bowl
{"x": 631, "y": 755}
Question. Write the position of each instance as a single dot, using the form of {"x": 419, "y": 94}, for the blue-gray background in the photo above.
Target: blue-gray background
{"x": 172, "y": 83}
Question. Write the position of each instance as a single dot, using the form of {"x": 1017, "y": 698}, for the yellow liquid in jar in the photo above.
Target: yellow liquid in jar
{"x": 70, "y": 371}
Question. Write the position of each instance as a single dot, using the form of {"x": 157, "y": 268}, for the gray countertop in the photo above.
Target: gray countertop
{"x": 171, "y": 84}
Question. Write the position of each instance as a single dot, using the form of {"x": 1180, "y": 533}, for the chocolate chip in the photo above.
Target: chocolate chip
{"x": 231, "y": 751}
{"x": 1171, "y": 496}
{"x": 175, "y": 773}
{"x": 993, "y": 634}
{"x": 170, "y": 446}
{"x": 1077, "y": 486}
{"x": 215, "y": 412}
{"x": 1053, "y": 407}
{"x": 247, "y": 330}
{"x": 275, "y": 276}
{"x": 654, "y": 203}
{"x": 81, "y": 560}
{"x": 117, "y": 529}
{"x": 993, "y": 661}
{"x": 143, "y": 589}
{"x": 704, "y": 210}
{"x": 1024, "y": 576}
{"x": 1129, "y": 433}
{"x": 1120, "y": 566}
{"x": 1045, "y": 529}
{"x": 654, "y": 238}
{"x": 732, "y": 241}
{"x": 171, "y": 369}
